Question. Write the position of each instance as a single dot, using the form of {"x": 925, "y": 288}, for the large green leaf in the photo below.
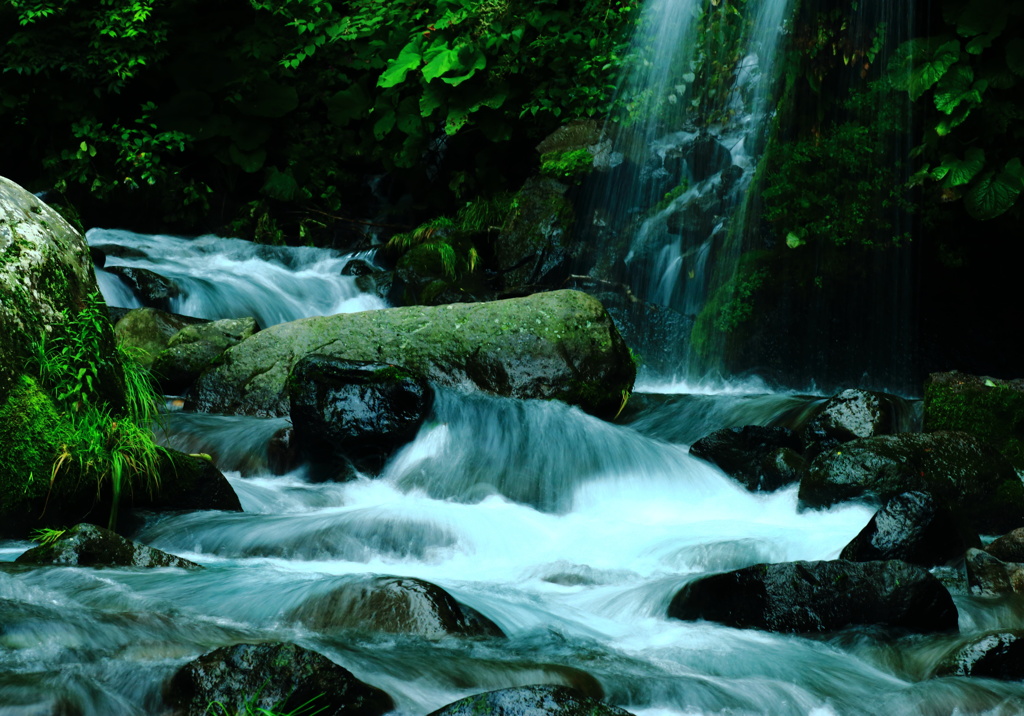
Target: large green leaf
{"x": 961, "y": 171}
{"x": 281, "y": 185}
{"x": 441, "y": 60}
{"x": 924, "y": 76}
{"x": 408, "y": 59}
{"x": 992, "y": 195}
{"x": 250, "y": 162}
{"x": 471, "y": 59}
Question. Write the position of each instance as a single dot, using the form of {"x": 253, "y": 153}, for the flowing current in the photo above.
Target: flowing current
{"x": 572, "y": 534}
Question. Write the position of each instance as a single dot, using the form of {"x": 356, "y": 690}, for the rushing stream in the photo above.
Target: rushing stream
{"x": 571, "y": 533}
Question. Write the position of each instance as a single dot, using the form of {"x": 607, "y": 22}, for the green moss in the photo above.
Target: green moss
{"x": 991, "y": 410}
{"x": 33, "y": 428}
{"x": 572, "y": 164}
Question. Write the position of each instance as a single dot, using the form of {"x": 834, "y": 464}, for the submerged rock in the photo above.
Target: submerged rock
{"x": 915, "y": 528}
{"x": 996, "y": 655}
{"x": 530, "y": 701}
{"x": 954, "y": 467}
{"x": 795, "y": 597}
{"x": 393, "y": 605}
{"x": 86, "y": 545}
{"x": 560, "y": 345}
{"x": 154, "y": 290}
{"x": 282, "y": 677}
{"x": 350, "y": 410}
{"x": 761, "y": 458}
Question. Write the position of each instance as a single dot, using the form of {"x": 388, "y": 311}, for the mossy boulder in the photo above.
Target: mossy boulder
{"x": 989, "y": 408}
{"x": 86, "y": 545}
{"x": 560, "y": 345}
{"x": 148, "y": 331}
{"x": 194, "y": 348}
{"x": 45, "y": 274}
{"x": 281, "y": 677}
{"x": 530, "y": 701}
{"x": 955, "y": 467}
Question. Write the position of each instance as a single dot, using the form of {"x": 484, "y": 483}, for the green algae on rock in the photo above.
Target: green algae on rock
{"x": 560, "y": 345}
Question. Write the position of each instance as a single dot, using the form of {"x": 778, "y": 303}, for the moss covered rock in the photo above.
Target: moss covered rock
{"x": 45, "y": 273}
{"x": 990, "y": 408}
{"x": 560, "y": 345}
{"x": 194, "y": 348}
{"x": 954, "y": 467}
{"x": 87, "y": 545}
{"x": 148, "y": 331}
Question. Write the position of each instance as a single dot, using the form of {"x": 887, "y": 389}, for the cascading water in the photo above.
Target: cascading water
{"x": 570, "y": 533}
{"x": 679, "y": 215}
{"x": 693, "y": 116}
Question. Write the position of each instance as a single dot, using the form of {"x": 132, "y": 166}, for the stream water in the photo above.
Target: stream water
{"x": 571, "y": 533}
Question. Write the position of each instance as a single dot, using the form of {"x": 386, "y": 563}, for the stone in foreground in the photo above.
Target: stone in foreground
{"x": 802, "y": 597}
{"x": 530, "y": 701}
{"x": 282, "y": 677}
{"x": 560, "y": 345}
{"x": 87, "y": 545}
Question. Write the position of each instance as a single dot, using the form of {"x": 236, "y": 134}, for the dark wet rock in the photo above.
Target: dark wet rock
{"x": 990, "y": 408}
{"x": 196, "y": 347}
{"x": 536, "y": 246}
{"x": 281, "y": 677}
{"x": 761, "y": 458}
{"x": 358, "y": 267}
{"x": 86, "y": 545}
{"x": 379, "y": 283}
{"x": 559, "y": 345}
{"x": 852, "y": 414}
{"x": 282, "y": 455}
{"x": 154, "y": 290}
{"x": 954, "y": 467}
{"x": 189, "y": 482}
{"x": 530, "y": 701}
{"x": 794, "y": 597}
{"x": 393, "y": 605}
{"x": 354, "y": 410}
{"x": 1009, "y": 547}
{"x": 988, "y": 575}
{"x": 705, "y": 156}
{"x": 996, "y": 655}
{"x": 696, "y": 218}
{"x": 149, "y": 331}
{"x": 915, "y": 528}
{"x": 422, "y": 276}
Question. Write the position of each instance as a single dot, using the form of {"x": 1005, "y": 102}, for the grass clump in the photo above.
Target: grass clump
{"x": 104, "y": 437}
{"x": 250, "y": 708}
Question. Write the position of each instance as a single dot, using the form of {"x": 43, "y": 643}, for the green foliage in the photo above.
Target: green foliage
{"x": 572, "y": 164}
{"x": 46, "y": 535}
{"x": 839, "y": 186}
{"x": 967, "y": 85}
{"x": 95, "y": 442}
{"x": 159, "y": 107}
{"x": 250, "y": 708}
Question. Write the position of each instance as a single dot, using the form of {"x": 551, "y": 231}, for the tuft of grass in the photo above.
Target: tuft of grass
{"x": 114, "y": 449}
{"x": 45, "y": 536}
{"x": 249, "y": 708}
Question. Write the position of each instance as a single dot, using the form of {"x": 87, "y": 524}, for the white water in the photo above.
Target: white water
{"x": 572, "y": 534}
{"x": 231, "y": 278}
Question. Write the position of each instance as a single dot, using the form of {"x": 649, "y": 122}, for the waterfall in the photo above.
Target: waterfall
{"x": 699, "y": 129}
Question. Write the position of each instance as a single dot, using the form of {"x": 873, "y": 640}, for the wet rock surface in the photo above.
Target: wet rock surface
{"x": 86, "y": 545}
{"x": 761, "y": 458}
{"x": 282, "y": 677}
{"x": 851, "y": 414}
{"x": 352, "y": 410}
{"x": 393, "y": 605}
{"x": 915, "y": 528}
{"x": 954, "y": 467}
{"x": 150, "y": 330}
{"x": 795, "y": 597}
{"x": 996, "y": 655}
{"x": 194, "y": 348}
{"x": 530, "y": 701}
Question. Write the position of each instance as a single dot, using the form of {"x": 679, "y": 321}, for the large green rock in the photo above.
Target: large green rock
{"x": 560, "y": 345}
{"x": 990, "y": 408}
{"x": 45, "y": 272}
